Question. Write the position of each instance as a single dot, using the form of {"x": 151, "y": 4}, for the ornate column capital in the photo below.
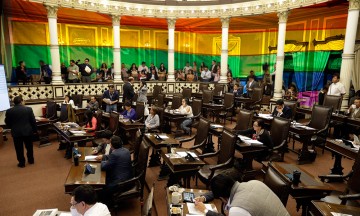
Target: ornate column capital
{"x": 171, "y": 23}
{"x": 354, "y": 4}
{"x": 116, "y": 20}
{"x": 51, "y": 10}
{"x": 225, "y": 22}
{"x": 283, "y": 15}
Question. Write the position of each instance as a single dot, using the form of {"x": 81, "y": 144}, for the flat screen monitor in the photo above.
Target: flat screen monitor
{"x": 4, "y": 96}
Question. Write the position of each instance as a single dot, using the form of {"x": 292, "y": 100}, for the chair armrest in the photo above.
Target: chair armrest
{"x": 220, "y": 166}
{"x": 187, "y": 139}
{"x": 280, "y": 146}
{"x": 203, "y": 143}
{"x": 209, "y": 155}
{"x": 196, "y": 117}
{"x": 138, "y": 120}
{"x": 330, "y": 177}
{"x": 344, "y": 198}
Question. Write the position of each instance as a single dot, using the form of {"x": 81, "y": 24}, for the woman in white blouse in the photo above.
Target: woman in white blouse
{"x": 68, "y": 100}
{"x": 186, "y": 109}
{"x": 153, "y": 120}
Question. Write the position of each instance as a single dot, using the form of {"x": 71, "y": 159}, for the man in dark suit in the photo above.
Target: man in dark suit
{"x": 251, "y": 84}
{"x": 21, "y": 120}
{"x": 281, "y": 110}
{"x": 237, "y": 90}
{"x": 128, "y": 90}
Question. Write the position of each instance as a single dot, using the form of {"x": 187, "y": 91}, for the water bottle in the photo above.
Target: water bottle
{"x": 76, "y": 154}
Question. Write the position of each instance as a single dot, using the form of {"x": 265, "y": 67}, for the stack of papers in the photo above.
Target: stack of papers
{"x": 194, "y": 211}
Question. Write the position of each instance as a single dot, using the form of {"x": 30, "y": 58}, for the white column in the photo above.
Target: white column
{"x": 171, "y": 50}
{"x": 54, "y": 45}
{"x": 224, "y": 49}
{"x": 117, "y": 49}
{"x": 280, "y": 54}
{"x": 348, "y": 56}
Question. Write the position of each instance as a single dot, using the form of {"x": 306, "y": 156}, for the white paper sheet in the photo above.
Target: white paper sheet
{"x": 339, "y": 214}
{"x": 243, "y": 137}
{"x": 77, "y": 132}
{"x": 90, "y": 158}
{"x": 194, "y": 211}
{"x": 216, "y": 126}
{"x": 266, "y": 116}
{"x": 163, "y": 137}
{"x": 253, "y": 142}
{"x": 182, "y": 154}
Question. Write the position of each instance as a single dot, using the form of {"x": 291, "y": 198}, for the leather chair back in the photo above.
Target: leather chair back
{"x": 280, "y": 187}
{"x": 202, "y": 135}
{"x": 279, "y": 130}
{"x": 203, "y": 86}
{"x": 196, "y": 107}
{"x": 293, "y": 105}
{"x": 138, "y": 140}
{"x": 78, "y": 99}
{"x": 98, "y": 119}
{"x": 227, "y": 147}
{"x": 160, "y": 100}
{"x": 257, "y": 94}
{"x": 157, "y": 90}
{"x": 244, "y": 119}
{"x": 320, "y": 117}
{"x": 160, "y": 112}
{"x": 333, "y": 101}
{"x": 186, "y": 93}
{"x": 176, "y": 102}
{"x": 141, "y": 165}
{"x": 353, "y": 182}
{"x": 99, "y": 100}
{"x": 140, "y": 108}
{"x": 113, "y": 122}
{"x": 228, "y": 100}
{"x": 51, "y": 112}
{"x": 207, "y": 96}
{"x": 64, "y": 113}
{"x": 219, "y": 88}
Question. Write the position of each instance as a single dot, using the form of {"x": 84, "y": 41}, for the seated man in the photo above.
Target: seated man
{"x": 129, "y": 113}
{"x": 103, "y": 148}
{"x": 237, "y": 90}
{"x": 246, "y": 199}
{"x": 93, "y": 104}
{"x": 281, "y": 110}
{"x": 83, "y": 202}
{"x": 117, "y": 166}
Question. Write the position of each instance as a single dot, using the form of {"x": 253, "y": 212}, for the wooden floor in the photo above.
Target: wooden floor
{"x": 42, "y": 185}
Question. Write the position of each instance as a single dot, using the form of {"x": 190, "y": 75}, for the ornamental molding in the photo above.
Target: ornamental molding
{"x": 225, "y": 22}
{"x": 166, "y": 11}
{"x": 171, "y": 23}
{"x": 116, "y": 20}
{"x": 283, "y": 16}
{"x": 51, "y": 10}
{"x": 354, "y": 4}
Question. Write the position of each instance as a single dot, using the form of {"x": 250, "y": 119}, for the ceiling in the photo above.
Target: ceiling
{"x": 185, "y": 2}
{"x": 33, "y": 12}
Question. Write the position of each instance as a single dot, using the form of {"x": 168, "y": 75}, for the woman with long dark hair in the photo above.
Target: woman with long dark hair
{"x": 90, "y": 121}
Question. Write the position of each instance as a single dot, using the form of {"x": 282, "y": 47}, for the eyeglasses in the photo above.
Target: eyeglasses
{"x": 74, "y": 204}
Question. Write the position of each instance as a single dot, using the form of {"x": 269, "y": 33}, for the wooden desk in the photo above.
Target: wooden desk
{"x": 305, "y": 135}
{"x": 180, "y": 167}
{"x": 76, "y": 177}
{"x": 69, "y": 137}
{"x": 215, "y": 108}
{"x": 171, "y": 116}
{"x": 43, "y": 124}
{"x": 185, "y": 211}
{"x": 309, "y": 188}
{"x": 318, "y": 208}
{"x": 340, "y": 150}
{"x": 249, "y": 153}
{"x": 157, "y": 144}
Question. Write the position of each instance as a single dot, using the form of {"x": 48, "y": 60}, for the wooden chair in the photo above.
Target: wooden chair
{"x": 51, "y": 112}
{"x": 225, "y": 158}
{"x": 243, "y": 120}
{"x": 156, "y": 91}
{"x": 186, "y": 93}
{"x": 78, "y": 99}
{"x": 160, "y": 100}
{"x": 256, "y": 99}
{"x": 320, "y": 120}
{"x": 132, "y": 188}
{"x": 333, "y": 101}
{"x": 63, "y": 113}
{"x": 113, "y": 127}
{"x": 207, "y": 97}
{"x": 147, "y": 208}
{"x": 203, "y": 86}
{"x": 99, "y": 125}
{"x": 228, "y": 109}
{"x": 196, "y": 108}
{"x": 280, "y": 187}
{"x": 176, "y": 102}
{"x": 219, "y": 88}
{"x": 201, "y": 135}
{"x": 351, "y": 195}
{"x": 293, "y": 105}
{"x": 139, "y": 110}
{"x": 279, "y": 134}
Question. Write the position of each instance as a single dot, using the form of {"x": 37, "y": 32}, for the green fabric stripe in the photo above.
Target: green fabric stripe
{"x": 240, "y": 65}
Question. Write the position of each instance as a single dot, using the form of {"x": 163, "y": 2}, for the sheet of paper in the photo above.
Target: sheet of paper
{"x": 163, "y": 137}
{"x": 65, "y": 214}
{"x": 194, "y": 211}
{"x": 77, "y": 132}
{"x": 193, "y": 154}
{"x": 216, "y": 126}
{"x": 339, "y": 214}
{"x": 46, "y": 212}
{"x": 253, "y": 142}
{"x": 266, "y": 116}
{"x": 90, "y": 158}
{"x": 170, "y": 155}
{"x": 243, "y": 137}
{"x": 182, "y": 154}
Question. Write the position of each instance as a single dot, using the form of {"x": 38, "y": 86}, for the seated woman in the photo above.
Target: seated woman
{"x": 258, "y": 132}
{"x": 180, "y": 76}
{"x": 291, "y": 93}
{"x": 153, "y": 120}
{"x": 186, "y": 109}
{"x": 162, "y": 72}
{"x": 129, "y": 113}
{"x": 90, "y": 121}
{"x": 69, "y": 100}
{"x": 190, "y": 76}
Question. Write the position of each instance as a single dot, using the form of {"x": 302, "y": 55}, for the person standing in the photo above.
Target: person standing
{"x": 21, "y": 120}
{"x": 21, "y": 73}
{"x": 86, "y": 70}
{"x": 336, "y": 88}
{"x": 142, "y": 93}
{"x": 128, "y": 90}
{"x": 45, "y": 72}
{"x": 111, "y": 97}
{"x": 73, "y": 72}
